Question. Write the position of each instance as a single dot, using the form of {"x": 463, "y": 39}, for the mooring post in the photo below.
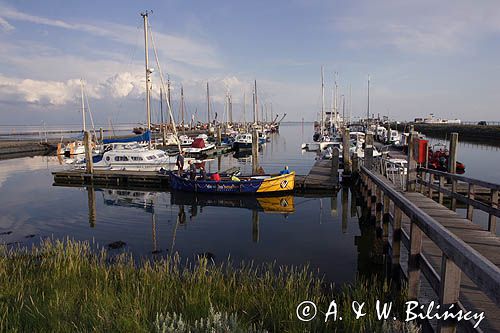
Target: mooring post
{"x": 101, "y": 134}
{"x": 411, "y": 175}
{"x": 345, "y": 152}
{"x": 219, "y": 136}
{"x": 470, "y": 208}
{"x": 492, "y": 220}
{"x": 335, "y": 162}
{"x": 369, "y": 151}
{"x": 355, "y": 163}
{"x": 88, "y": 152}
{"x": 255, "y": 151}
{"x": 441, "y": 194}
{"x": 452, "y": 166}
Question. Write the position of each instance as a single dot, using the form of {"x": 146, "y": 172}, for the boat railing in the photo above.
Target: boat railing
{"x": 396, "y": 172}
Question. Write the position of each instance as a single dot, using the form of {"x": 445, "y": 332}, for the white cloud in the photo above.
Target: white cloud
{"x": 5, "y": 26}
{"x": 175, "y": 48}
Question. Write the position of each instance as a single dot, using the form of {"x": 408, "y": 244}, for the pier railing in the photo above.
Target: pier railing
{"x": 457, "y": 256}
{"x": 481, "y": 195}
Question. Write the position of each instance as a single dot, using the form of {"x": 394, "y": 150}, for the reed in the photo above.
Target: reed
{"x": 61, "y": 286}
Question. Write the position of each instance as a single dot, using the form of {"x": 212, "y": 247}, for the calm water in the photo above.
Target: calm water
{"x": 323, "y": 232}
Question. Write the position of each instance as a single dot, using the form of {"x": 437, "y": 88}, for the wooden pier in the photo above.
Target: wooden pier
{"x": 320, "y": 179}
{"x": 458, "y": 259}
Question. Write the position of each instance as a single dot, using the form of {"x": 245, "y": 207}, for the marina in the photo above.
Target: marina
{"x": 185, "y": 169}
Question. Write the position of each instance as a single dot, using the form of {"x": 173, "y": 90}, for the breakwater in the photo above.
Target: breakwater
{"x": 475, "y": 133}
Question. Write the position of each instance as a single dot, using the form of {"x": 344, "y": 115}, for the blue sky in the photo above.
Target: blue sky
{"x": 423, "y": 57}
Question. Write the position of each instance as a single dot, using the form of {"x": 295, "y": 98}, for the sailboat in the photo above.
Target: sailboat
{"x": 129, "y": 153}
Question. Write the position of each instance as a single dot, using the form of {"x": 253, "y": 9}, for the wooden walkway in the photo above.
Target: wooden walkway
{"x": 487, "y": 244}
{"x": 319, "y": 178}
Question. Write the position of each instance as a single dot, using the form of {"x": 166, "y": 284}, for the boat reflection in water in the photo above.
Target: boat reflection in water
{"x": 266, "y": 204}
{"x": 128, "y": 198}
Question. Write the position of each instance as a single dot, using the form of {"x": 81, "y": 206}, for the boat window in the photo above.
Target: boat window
{"x": 151, "y": 157}
{"x": 160, "y": 155}
{"x": 121, "y": 158}
{"x": 137, "y": 158}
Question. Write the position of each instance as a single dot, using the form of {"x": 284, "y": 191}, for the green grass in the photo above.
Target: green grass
{"x": 71, "y": 286}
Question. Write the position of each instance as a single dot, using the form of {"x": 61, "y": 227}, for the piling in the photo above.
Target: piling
{"x": 369, "y": 151}
{"x": 219, "y": 136}
{"x": 345, "y": 153}
{"x": 88, "y": 152}
{"x": 335, "y": 162}
{"x": 101, "y": 134}
{"x": 255, "y": 151}
{"x": 452, "y": 166}
{"x": 412, "y": 165}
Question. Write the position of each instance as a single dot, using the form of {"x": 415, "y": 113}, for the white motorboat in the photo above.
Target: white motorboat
{"x": 134, "y": 156}
{"x": 199, "y": 147}
{"x": 185, "y": 141}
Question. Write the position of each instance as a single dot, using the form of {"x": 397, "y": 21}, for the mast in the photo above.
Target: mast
{"x": 161, "y": 110}
{"x": 148, "y": 71}
{"x": 244, "y": 106}
{"x": 230, "y": 108}
{"x": 350, "y": 104}
{"x": 256, "y": 104}
{"x": 322, "y": 103}
{"x": 169, "y": 98}
{"x": 83, "y": 106}
{"x": 208, "y": 104}
{"x": 368, "y": 106}
{"x": 182, "y": 106}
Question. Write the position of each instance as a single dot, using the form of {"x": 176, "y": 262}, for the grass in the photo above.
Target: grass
{"x": 61, "y": 286}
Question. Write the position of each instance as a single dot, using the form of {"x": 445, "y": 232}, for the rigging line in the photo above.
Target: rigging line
{"x": 163, "y": 86}
{"x": 88, "y": 109}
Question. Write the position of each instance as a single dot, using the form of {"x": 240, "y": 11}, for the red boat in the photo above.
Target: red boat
{"x": 438, "y": 160}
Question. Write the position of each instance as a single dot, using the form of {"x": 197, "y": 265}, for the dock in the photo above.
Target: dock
{"x": 458, "y": 259}
{"x": 320, "y": 179}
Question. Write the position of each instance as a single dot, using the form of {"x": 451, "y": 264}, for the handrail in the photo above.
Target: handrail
{"x": 481, "y": 271}
{"x": 482, "y": 183}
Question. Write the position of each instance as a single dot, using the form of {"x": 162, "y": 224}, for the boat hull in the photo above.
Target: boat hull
{"x": 255, "y": 185}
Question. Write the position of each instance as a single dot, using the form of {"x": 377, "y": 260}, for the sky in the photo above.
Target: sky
{"x": 440, "y": 57}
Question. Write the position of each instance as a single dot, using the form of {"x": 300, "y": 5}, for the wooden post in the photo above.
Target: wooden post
{"x": 412, "y": 165}
{"x": 369, "y": 151}
{"x": 88, "y": 152}
{"x": 396, "y": 237}
{"x": 449, "y": 291}
{"x": 429, "y": 186}
{"x": 441, "y": 184}
{"x": 255, "y": 151}
{"x": 345, "y": 152}
{"x": 413, "y": 261}
{"x": 219, "y": 136}
{"x": 492, "y": 220}
{"x": 470, "y": 208}
{"x": 378, "y": 205}
{"x": 335, "y": 163}
{"x": 355, "y": 163}
{"x": 385, "y": 216}
{"x": 101, "y": 134}
{"x": 452, "y": 166}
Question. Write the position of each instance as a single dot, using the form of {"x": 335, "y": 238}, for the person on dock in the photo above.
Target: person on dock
{"x": 180, "y": 163}
{"x": 215, "y": 176}
{"x": 285, "y": 171}
{"x": 203, "y": 173}
{"x": 192, "y": 170}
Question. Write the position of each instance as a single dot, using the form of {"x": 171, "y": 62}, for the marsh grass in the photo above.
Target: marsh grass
{"x": 61, "y": 286}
